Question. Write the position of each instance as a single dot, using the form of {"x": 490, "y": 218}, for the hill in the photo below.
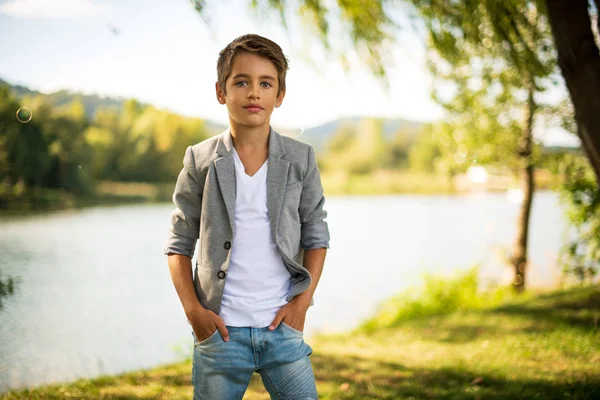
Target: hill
{"x": 91, "y": 103}
{"x": 317, "y": 135}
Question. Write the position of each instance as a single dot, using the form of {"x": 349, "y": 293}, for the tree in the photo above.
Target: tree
{"x": 496, "y": 91}
{"x": 425, "y": 153}
{"x": 397, "y": 150}
{"x": 372, "y": 30}
{"x": 338, "y": 149}
{"x": 68, "y": 150}
{"x": 579, "y": 61}
{"x": 23, "y": 150}
{"x": 369, "y": 146}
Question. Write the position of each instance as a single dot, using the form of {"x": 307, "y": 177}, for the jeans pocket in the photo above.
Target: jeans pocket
{"x": 208, "y": 339}
{"x": 295, "y": 331}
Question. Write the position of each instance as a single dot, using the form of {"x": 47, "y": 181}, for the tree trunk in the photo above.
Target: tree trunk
{"x": 519, "y": 255}
{"x": 579, "y": 61}
{"x": 597, "y": 18}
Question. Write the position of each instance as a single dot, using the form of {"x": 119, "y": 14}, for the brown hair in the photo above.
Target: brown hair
{"x": 251, "y": 43}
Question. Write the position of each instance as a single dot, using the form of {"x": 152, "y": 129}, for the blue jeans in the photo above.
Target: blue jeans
{"x": 222, "y": 370}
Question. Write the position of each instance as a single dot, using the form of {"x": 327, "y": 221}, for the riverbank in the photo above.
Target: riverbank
{"x": 544, "y": 346}
{"x": 104, "y": 193}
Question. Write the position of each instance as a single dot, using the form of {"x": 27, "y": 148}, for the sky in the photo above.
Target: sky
{"x": 165, "y": 54}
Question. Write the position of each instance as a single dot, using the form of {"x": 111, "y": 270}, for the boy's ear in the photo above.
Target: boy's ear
{"x": 280, "y": 98}
{"x": 220, "y": 94}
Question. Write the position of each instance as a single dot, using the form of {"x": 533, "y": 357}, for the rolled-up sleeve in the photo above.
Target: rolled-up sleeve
{"x": 314, "y": 230}
{"x": 185, "y": 219}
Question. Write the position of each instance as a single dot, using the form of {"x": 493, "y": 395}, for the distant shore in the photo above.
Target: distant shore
{"x": 105, "y": 193}
{"x": 334, "y": 183}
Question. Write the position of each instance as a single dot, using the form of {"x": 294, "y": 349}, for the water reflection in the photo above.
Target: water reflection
{"x": 7, "y": 288}
{"x": 14, "y": 256}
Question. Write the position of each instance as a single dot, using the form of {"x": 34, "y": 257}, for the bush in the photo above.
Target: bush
{"x": 580, "y": 195}
{"x": 438, "y": 296}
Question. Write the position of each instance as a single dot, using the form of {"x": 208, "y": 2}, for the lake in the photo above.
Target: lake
{"x": 90, "y": 300}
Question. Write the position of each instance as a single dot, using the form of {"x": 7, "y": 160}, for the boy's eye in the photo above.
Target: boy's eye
{"x": 244, "y": 83}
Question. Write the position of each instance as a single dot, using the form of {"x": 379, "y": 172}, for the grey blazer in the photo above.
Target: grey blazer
{"x": 204, "y": 198}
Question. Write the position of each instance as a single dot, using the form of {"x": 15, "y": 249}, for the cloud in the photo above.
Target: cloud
{"x": 52, "y": 8}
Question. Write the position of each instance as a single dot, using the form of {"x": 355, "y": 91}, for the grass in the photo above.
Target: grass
{"x": 543, "y": 346}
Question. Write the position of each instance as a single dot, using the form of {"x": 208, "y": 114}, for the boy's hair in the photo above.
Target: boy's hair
{"x": 251, "y": 43}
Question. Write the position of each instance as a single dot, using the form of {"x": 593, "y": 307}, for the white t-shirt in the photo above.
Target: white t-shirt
{"x": 258, "y": 282}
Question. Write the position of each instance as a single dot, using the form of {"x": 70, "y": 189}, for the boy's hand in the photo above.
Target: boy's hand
{"x": 204, "y": 323}
{"x": 294, "y": 314}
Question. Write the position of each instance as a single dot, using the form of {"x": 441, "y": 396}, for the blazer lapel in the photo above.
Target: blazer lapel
{"x": 224, "y": 166}
{"x": 277, "y": 172}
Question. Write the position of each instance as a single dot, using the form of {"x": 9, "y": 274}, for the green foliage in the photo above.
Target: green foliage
{"x": 341, "y": 140}
{"x": 63, "y": 149}
{"x": 48, "y": 151}
{"x": 580, "y": 195}
{"x": 337, "y": 154}
{"x": 426, "y": 153}
{"x": 368, "y": 24}
{"x": 438, "y": 296}
{"x": 486, "y": 57}
{"x": 515, "y": 31}
{"x": 369, "y": 146}
{"x": 358, "y": 151}
{"x": 373, "y": 28}
{"x": 365, "y": 147}
{"x": 23, "y": 148}
{"x": 397, "y": 150}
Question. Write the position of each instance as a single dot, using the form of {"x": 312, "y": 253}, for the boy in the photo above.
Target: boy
{"x": 255, "y": 200}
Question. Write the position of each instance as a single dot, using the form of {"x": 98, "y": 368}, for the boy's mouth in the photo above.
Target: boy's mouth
{"x": 254, "y": 108}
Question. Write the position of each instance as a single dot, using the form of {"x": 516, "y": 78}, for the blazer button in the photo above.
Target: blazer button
{"x": 221, "y": 274}
{"x": 227, "y": 245}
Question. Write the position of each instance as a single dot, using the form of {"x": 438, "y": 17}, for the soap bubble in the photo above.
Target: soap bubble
{"x": 24, "y": 115}
{"x": 135, "y": 341}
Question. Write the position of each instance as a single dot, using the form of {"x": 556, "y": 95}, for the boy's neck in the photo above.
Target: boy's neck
{"x": 250, "y": 139}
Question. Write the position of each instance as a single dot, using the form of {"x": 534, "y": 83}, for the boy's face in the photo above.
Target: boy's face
{"x": 251, "y": 90}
